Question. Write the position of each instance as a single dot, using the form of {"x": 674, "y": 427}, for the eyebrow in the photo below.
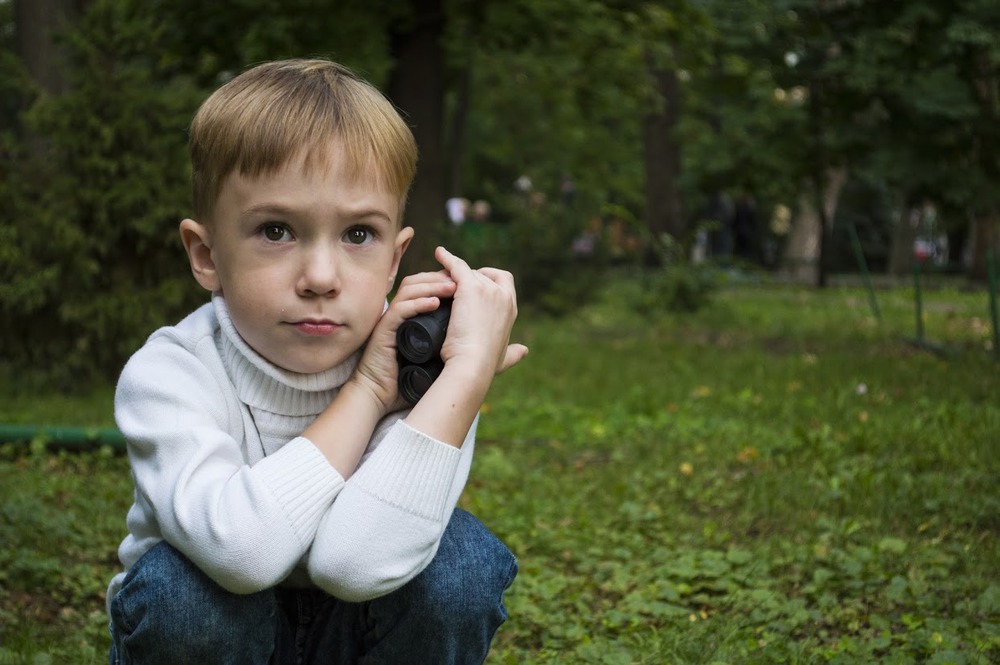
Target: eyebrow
{"x": 286, "y": 210}
{"x": 268, "y": 208}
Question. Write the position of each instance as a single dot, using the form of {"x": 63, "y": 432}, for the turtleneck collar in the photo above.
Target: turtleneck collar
{"x": 264, "y": 385}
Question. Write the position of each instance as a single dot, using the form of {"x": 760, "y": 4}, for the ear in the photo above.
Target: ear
{"x": 403, "y": 239}
{"x": 198, "y": 245}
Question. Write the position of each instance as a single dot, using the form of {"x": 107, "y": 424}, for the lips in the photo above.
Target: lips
{"x": 316, "y": 327}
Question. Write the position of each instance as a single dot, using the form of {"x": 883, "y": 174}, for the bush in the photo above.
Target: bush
{"x": 558, "y": 261}
{"x": 672, "y": 282}
{"x": 91, "y": 263}
{"x": 683, "y": 287}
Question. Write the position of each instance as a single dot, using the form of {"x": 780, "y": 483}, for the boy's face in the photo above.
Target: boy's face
{"x": 304, "y": 258}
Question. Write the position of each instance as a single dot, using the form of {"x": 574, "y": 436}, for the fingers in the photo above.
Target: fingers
{"x": 478, "y": 337}
{"x": 500, "y": 277}
{"x": 407, "y": 308}
{"x": 429, "y": 276}
{"x": 426, "y": 280}
{"x": 459, "y": 271}
{"x": 453, "y": 264}
{"x": 425, "y": 285}
{"x": 450, "y": 262}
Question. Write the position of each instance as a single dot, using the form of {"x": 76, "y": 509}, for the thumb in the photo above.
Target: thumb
{"x": 515, "y": 353}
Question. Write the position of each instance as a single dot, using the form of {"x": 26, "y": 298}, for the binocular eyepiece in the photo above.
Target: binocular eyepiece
{"x": 418, "y": 342}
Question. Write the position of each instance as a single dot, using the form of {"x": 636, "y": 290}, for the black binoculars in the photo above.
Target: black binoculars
{"x": 418, "y": 343}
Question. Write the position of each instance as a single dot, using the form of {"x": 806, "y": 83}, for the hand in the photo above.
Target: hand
{"x": 378, "y": 369}
{"x": 482, "y": 317}
{"x": 476, "y": 348}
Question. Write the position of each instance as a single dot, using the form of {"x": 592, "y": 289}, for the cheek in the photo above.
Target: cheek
{"x": 253, "y": 277}
{"x": 375, "y": 302}
{"x": 252, "y": 296}
{"x": 370, "y": 300}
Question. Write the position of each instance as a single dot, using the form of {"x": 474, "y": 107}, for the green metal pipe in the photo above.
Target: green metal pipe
{"x": 69, "y": 438}
{"x": 991, "y": 270}
{"x": 859, "y": 256}
{"x": 919, "y": 301}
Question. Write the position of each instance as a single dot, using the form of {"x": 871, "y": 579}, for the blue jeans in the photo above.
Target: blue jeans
{"x": 169, "y": 611}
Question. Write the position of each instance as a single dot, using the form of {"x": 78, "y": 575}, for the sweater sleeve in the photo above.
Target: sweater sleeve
{"x": 387, "y": 522}
{"x": 245, "y": 527}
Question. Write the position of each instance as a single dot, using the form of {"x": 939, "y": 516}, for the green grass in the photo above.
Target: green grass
{"x": 777, "y": 478}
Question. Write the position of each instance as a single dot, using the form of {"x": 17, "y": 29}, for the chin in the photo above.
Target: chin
{"x": 310, "y": 366}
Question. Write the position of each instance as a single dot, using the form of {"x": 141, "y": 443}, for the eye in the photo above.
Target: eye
{"x": 275, "y": 232}
{"x": 358, "y": 235}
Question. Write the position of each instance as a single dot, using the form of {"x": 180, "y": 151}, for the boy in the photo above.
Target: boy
{"x": 286, "y": 509}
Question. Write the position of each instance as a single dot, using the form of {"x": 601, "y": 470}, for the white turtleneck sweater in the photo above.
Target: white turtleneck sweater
{"x": 222, "y": 472}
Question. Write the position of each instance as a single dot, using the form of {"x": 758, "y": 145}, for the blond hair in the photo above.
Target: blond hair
{"x": 254, "y": 124}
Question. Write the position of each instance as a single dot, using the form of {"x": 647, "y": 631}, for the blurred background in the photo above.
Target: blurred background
{"x": 795, "y": 139}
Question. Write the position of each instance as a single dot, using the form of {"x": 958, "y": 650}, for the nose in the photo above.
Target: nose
{"x": 318, "y": 273}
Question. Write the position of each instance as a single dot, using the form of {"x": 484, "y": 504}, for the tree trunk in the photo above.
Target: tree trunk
{"x": 801, "y": 256}
{"x": 664, "y": 202}
{"x": 985, "y": 236}
{"x": 37, "y": 23}
{"x": 459, "y": 122}
{"x": 803, "y": 253}
{"x": 416, "y": 86}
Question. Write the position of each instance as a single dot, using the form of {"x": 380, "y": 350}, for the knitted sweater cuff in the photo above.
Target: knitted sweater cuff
{"x": 411, "y": 471}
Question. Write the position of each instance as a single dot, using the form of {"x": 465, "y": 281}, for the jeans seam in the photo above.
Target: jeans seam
{"x": 118, "y": 610}
{"x": 511, "y": 575}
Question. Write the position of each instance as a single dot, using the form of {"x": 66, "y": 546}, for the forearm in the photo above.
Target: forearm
{"x": 448, "y": 409}
{"x": 342, "y": 431}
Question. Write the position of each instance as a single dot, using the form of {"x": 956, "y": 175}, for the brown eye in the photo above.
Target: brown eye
{"x": 358, "y": 236}
{"x": 274, "y": 232}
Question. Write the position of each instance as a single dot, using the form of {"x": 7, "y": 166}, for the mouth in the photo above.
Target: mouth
{"x": 316, "y": 327}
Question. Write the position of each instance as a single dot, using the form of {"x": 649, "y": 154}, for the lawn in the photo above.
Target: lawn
{"x": 779, "y": 477}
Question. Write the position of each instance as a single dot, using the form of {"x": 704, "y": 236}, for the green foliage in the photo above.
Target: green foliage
{"x": 558, "y": 87}
{"x": 864, "y": 205}
{"x": 772, "y": 94}
{"x": 683, "y": 287}
{"x": 536, "y": 243}
{"x": 671, "y": 282}
{"x": 13, "y": 91}
{"x": 213, "y": 41}
{"x": 774, "y": 478}
{"x": 60, "y": 520}
{"x": 904, "y": 93}
{"x": 92, "y": 262}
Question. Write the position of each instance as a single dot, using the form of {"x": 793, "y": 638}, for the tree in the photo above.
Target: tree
{"x": 92, "y": 263}
{"x": 38, "y": 24}
{"x": 662, "y": 157}
{"x": 417, "y": 86}
{"x": 917, "y": 84}
{"x": 673, "y": 42}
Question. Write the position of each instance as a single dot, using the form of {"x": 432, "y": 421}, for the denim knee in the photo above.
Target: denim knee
{"x": 449, "y": 613}
{"x": 168, "y": 610}
{"x": 466, "y": 580}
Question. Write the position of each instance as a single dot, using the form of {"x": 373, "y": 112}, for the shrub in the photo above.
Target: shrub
{"x": 90, "y": 260}
{"x": 556, "y": 258}
{"x": 670, "y": 281}
{"x": 683, "y": 287}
